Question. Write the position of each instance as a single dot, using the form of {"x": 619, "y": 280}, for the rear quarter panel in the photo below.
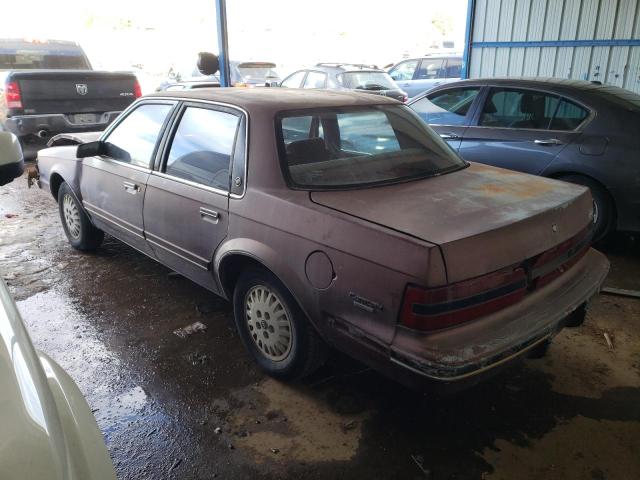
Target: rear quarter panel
{"x": 60, "y": 161}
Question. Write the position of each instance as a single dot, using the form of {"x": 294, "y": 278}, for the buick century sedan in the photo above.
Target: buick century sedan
{"x": 335, "y": 219}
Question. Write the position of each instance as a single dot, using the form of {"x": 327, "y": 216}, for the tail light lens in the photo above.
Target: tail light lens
{"x": 429, "y": 309}
{"x": 137, "y": 91}
{"x": 12, "y": 95}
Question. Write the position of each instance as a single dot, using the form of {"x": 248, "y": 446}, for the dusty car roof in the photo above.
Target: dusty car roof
{"x": 583, "y": 88}
{"x": 279, "y": 99}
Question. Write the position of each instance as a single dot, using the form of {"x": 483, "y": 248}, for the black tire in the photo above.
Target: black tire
{"x": 80, "y": 232}
{"x": 539, "y": 351}
{"x": 603, "y": 205}
{"x": 306, "y": 350}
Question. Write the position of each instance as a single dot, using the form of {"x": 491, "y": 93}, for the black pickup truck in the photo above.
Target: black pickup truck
{"x": 48, "y": 87}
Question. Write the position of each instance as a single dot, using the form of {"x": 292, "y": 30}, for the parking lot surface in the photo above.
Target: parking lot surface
{"x": 197, "y": 407}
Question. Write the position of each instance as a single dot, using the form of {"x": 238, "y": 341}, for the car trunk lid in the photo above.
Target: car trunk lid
{"x": 483, "y": 218}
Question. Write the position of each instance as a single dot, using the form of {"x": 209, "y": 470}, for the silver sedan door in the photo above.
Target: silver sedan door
{"x": 113, "y": 185}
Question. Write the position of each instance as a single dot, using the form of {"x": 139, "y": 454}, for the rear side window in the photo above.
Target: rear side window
{"x": 454, "y": 68}
{"x": 202, "y": 145}
{"x": 134, "y": 139}
{"x": 528, "y": 109}
{"x": 448, "y": 107}
{"x": 430, "y": 69}
{"x": 568, "y": 116}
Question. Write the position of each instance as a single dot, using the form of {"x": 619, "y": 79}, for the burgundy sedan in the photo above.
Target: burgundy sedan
{"x": 336, "y": 219}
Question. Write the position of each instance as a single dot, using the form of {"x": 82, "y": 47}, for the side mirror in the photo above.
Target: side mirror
{"x": 11, "y": 158}
{"x": 208, "y": 63}
{"x": 91, "y": 149}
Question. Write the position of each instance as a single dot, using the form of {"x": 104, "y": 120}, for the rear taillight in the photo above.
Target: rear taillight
{"x": 12, "y": 95}
{"x": 137, "y": 91}
{"x": 405, "y": 98}
{"x": 428, "y": 309}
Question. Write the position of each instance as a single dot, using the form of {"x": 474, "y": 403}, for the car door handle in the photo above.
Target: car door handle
{"x": 548, "y": 142}
{"x": 209, "y": 215}
{"x": 131, "y": 187}
{"x": 449, "y": 136}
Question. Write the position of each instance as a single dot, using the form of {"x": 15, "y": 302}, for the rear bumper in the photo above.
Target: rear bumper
{"x": 22, "y": 125}
{"x": 463, "y": 355}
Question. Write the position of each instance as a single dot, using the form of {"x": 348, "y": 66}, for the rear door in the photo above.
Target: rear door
{"x": 448, "y": 112}
{"x": 113, "y": 186}
{"x": 521, "y": 129}
{"x": 187, "y": 202}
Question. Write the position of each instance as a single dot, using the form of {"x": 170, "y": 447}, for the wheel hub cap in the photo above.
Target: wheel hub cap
{"x": 71, "y": 215}
{"x": 268, "y": 322}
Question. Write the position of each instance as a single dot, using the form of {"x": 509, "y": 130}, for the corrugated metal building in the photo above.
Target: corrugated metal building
{"x": 579, "y": 39}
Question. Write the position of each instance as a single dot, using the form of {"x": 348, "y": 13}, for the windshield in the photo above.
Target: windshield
{"x": 42, "y": 57}
{"x": 367, "y": 80}
{"x": 346, "y": 147}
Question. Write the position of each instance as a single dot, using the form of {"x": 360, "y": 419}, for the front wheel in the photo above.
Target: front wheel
{"x": 80, "y": 232}
{"x": 273, "y": 327}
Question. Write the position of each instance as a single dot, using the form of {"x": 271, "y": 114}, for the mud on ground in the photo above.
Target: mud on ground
{"x": 197, "y": 407}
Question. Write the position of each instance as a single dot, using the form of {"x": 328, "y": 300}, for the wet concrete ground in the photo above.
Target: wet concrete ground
{"x": 197, "y": 407}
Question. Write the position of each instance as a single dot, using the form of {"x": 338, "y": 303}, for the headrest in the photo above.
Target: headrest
{"x": 310, "y": 150}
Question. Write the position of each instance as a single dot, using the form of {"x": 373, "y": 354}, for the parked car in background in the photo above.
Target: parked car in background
{"x": 418, "y": 75}
{"x": 243, "y": 74}
{"x": 576, "y": 131}
{"x": 289, "y": 202}
{"x": 344, "y": 76}
{"x": 48, "y": 430}
{"x": 48, "y": 87}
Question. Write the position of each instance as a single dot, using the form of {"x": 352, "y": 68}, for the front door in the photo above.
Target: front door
{"x": 113, "y": 186}
{"x": 448, "y": 112}
{"x": 521, "y": 129}
{"x": 187, "y": 201}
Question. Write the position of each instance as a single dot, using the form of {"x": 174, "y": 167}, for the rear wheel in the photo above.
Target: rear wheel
{"x": 80, "y": 232}
{"x": 273, "y": 327}
{"x": 603, "y": 208}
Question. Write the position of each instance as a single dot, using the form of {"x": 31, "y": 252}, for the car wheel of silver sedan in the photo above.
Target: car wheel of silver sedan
{"x": 274, "y": 328}
{"x": 80, "y": 232}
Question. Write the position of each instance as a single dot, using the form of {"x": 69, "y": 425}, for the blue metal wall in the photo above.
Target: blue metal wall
{"x": 580, "y": 39}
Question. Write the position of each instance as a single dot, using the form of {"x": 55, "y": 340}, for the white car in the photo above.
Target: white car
{"x": 47, "y": 430}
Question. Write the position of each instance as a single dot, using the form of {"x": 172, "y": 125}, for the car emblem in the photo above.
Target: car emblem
{"x": 81, "y": 88}
{"x": 554, "y": 228}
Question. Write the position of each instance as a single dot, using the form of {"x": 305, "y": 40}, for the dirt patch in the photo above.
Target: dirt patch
{"x": 578, "y": 450}
{"x": 295, "y": 424}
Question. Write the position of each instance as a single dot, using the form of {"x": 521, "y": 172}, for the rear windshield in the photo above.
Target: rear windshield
{"x": 43, "y": 59}
{"x": 360, "y": 146}
{"x": 260, "y": 73}
{"x": 367, "y": 80}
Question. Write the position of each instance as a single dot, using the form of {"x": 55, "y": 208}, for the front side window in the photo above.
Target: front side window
{"x": 448, "y": 107}
{"x": 526, "y": 109}
{"x": 294, "y": 80}
{"x": 202, "y": 145}
{"x": 134, "y": 139}
{"x": 315, "y": 80}
{"x": 404, "y": 71}
{"x": 430, "y": 69}
{"x": 352, "y": 147}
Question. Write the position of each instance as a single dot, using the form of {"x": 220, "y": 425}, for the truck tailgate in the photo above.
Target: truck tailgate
{"x": 55, "y": 91}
